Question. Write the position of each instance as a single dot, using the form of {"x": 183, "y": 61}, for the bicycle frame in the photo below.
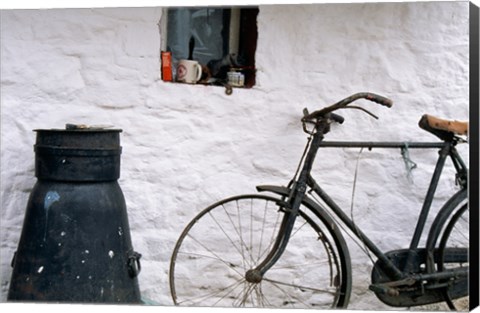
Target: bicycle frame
{"x": 299, "y": 188}
{"x": 446, "y": 149}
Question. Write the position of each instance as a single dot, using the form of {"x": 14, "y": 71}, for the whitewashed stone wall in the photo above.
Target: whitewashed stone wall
{"x": 185, "y": 146}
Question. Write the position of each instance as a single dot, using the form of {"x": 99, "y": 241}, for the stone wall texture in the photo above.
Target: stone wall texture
{"x": 187, "y": 146}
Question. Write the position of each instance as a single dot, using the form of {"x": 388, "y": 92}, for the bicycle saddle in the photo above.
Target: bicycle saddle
{"x": 443, "y": 128}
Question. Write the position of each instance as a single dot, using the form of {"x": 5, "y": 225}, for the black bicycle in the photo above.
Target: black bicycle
{"x": 287, "y": 249}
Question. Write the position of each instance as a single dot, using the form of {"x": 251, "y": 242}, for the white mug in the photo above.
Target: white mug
{"x": 189, "y": 71}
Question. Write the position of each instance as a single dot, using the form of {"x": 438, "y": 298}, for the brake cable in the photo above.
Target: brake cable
{"x": 361, "y": 109}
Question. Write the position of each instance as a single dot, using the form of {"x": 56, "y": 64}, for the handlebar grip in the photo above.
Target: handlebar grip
{"x": 379, "y": 99}
{"x": 337, "y": 118}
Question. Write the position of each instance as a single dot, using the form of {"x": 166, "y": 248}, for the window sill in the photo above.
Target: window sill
{"x": 247, "y": 83}
{"x": 228, "y": 88}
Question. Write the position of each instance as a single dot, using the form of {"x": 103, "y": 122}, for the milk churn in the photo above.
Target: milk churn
{"x": 75, "y": 244}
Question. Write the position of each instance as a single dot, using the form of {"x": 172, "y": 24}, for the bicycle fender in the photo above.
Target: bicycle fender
{"x": 441, "y": 219}
{"x": 330, "y": 223}
{"x": 443, "y": 215}
{"x": 285, "y": 192}
{"x": 320, "y": 211}
{"x": 279, "y": 190}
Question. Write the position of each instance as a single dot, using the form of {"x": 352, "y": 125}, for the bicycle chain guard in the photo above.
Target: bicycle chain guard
{"x": 405, "y": 292}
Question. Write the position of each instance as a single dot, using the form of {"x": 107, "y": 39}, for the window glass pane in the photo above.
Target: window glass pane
{"x": 207, "y": 26}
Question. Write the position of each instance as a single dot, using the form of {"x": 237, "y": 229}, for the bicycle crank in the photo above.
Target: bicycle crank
{"x": 419, "y": 287}
{"x": 392, "y": 288}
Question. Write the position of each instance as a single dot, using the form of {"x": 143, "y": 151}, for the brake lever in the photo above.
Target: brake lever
{"x": 361, "y": 109}
{"x": 305, "y": 121}
{"x": 305, "y": 129}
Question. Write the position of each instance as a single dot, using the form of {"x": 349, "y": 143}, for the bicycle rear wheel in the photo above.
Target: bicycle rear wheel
{"x": 227, "y": 239}
{"x": 453, "y": 252}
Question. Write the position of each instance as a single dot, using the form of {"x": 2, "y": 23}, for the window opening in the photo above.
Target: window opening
{"x": 222, "y": 40}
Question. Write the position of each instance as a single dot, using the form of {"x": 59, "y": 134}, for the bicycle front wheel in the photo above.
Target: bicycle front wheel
{"x": 224, "y": 241}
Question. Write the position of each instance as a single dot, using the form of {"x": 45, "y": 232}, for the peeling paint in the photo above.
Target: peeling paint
{"x": 50, "y": 198}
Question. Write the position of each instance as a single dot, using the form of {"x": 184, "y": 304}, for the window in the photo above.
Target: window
{"x": 221, "y": 39}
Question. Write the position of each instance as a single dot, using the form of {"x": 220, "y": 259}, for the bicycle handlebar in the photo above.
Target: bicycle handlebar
{"x": 343, "y": 103}
{"x": 337, "y": 118}
{"x": 364, "y": 95}
{"x": 379, "y": 99}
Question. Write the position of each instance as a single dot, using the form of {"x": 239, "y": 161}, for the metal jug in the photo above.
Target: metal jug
{"x": 75, "y": 244}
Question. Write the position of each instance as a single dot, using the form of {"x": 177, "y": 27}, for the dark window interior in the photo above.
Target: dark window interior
{"x": 221, "y": 39}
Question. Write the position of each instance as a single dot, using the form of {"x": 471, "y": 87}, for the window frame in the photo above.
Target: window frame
{"x": 244, "y": 21}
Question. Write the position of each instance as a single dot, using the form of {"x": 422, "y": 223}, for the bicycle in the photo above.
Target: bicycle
{"x": 272, "y": 240}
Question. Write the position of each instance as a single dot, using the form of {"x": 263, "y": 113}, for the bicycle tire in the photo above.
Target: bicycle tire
{"x": 228, "y": 238}
{"x": 455, "y": 242}
{"x": 449, "y": 238}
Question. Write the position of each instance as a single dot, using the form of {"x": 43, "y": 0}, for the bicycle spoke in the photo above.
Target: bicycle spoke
{"x": 238, "y": 283}
{"x": 260, "y": 296}
{"x": 238, "y": 232}
{"x": 297, "y": 286}
{"x": 197, "y": 300}
{"x": 262, "y": 231}
{"x": 208, "y": 272}
{"x": 272, "y": 239}
{"x": 245, "y": 294}
{"x": 298, "y": 229}
{"x": 251, "y": 233}
{"x": 455, "y": 235}
{"x": 275, "y": 284}
{"x": 294, "y": 266}
{"x": 265, "y": 301}
{"x": 228, "y": 264}
{"x": 248, "y": 248}
{"x": 461, "y": 232}
{"x": 242, "y": 243}
{"x": 213, "y": 257}
{"x": 226, "y": 235}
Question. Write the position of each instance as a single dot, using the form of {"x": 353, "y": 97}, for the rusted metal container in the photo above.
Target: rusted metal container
{"x": 75, "y": 244}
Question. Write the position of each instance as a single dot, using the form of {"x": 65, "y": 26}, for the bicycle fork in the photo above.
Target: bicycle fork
{"x": 255, "y": 275}
{"x": 291, "y": 208}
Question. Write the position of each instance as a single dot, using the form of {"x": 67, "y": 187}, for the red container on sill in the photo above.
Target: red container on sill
{"x": 167, "y": 66}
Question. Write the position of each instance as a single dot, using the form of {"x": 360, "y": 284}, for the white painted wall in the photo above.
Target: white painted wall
{"x": 185, "y": 146}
